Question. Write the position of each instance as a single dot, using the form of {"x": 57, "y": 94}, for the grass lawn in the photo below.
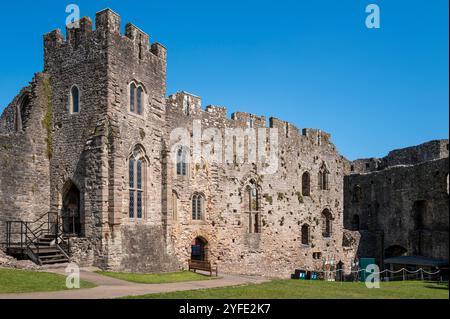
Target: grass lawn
{"x": 297, "y": 289}
{"x": 17, "y": 281}
{"x": 161, "y": 278}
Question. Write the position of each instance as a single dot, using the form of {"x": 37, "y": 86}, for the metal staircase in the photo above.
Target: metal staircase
{"x": 42, "y": 241}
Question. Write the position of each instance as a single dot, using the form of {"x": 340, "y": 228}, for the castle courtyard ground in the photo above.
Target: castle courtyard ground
{"x": 229, "y": 287}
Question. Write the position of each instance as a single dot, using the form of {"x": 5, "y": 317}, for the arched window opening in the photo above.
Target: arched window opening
{"x": 74, "y": 100}
{"x": 136, "y": 175}
{"x": 324, "y": 178}
{"x": 253, "y": 207}
{"x": 21, "y": 110}
{"x": 357, "y": 194}
{"x": 327, "y": 220}
{"x": 305, "y": 234}
{"x": 199, "y": 249}
{"x": 306, "y": 184}
{"x": 137, "y": 95}
{"x": 182, "y": 167}
{"x": 197, "y": 207}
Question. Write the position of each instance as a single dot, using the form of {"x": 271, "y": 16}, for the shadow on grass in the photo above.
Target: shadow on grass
{"x": 443, "y": 287}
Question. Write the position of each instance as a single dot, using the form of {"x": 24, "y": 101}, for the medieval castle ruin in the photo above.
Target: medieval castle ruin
{"x": 87, "y": 148}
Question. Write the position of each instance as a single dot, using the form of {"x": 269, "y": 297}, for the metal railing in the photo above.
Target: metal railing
{"x": 25, "y": 235}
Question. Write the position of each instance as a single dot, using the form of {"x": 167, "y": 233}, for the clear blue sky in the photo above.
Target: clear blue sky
{"x": 313, "y": 63}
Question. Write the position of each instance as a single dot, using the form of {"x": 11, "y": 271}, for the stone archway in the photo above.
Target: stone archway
{"x": 199, "y": 249}
{"x": 71, "y": 211}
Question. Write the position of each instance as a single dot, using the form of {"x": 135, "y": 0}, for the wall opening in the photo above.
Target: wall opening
{"x": 71, "y": 212}
{"x": 199, "y": 249}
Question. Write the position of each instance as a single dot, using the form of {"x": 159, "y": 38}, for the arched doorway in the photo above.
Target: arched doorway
{"x": 199, "y": 249}
{"x": 71, "y": 214}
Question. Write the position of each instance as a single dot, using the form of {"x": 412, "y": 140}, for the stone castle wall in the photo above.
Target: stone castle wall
{"x": 24, "y": 163}
{"x": 58, "y": 150}
{"x": 387, "y": 202}
{"x": 277, "y": 250}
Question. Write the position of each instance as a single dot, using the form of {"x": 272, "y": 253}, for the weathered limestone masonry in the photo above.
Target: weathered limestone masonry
{"x": 24, "y": 154}
{"x": 399, "y": 203}
{"x": 90, "y": 139}
{"x": 277, "y": 248}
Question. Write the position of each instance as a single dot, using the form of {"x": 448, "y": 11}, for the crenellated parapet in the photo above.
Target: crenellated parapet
{"x": 247, "y": 120}
{"x": 81, "y": 36}
{"x": 183, "y": 107}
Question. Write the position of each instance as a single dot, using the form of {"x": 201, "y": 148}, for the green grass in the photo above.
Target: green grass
{"x": 160, "y": 278}
{"x": 19, "y": 281}
{"x": 296, "y": 289}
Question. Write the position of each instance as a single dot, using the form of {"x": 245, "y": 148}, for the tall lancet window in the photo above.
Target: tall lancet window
{"x": 74, "y": 100}
{"x": 136, "y": 173}
{"x": 137, "y": 97}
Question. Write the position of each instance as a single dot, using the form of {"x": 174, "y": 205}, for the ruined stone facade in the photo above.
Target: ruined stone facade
{"x": 93, "y": 134}
{"x": 399, "y": 203}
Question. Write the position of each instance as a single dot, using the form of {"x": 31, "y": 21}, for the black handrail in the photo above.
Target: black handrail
{"x": 30, "y": 235}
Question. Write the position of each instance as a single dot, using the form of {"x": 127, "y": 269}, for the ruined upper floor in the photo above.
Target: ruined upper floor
{"x": 413, "y": 155}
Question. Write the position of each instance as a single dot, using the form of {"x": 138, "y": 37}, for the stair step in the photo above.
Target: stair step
{"x": 46, "y": 239}
{"x": 54, "y": 261}
{"x": 59, "y": 256}
{"x": 46, "y": 250}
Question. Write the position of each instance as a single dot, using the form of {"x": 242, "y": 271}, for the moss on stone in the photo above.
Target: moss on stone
{"x": 268, "y": 198}
{"x": 47, "y": 121}
{"x": 142, "y": 133}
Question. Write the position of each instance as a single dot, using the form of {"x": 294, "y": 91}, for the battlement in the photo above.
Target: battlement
{"x": 242, "y": 119}
{"x": 107, "y": 32}
{"x": 178, "y": 103}
{"x": 185, "y": 102}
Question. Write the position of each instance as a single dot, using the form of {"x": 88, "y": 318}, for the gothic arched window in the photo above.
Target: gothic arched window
{"x": 357, "y": 193}
{"x": 197, "y": 207}
{"x": 327, "y": 223}
{"x": 305, "y": 234}
{"x": 253, "y": 207}
{"x": 74, "y": 100}
{"x": 306, "y": 184}
{"x": 21, "y": 110}
{"x": 324, "y": 178}
{"x": 137, "y": 96}
{"x": 182, "y": 167}
{"x": 136, "y": 175}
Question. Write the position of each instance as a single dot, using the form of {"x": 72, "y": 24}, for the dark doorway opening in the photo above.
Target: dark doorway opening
{"x": 199, "y": 249}
{"x": 395, "y": 251}
{"x": 71, "y": 214}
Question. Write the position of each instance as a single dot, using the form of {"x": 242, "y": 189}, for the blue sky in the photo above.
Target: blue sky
{"x": 313, "y": 63}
